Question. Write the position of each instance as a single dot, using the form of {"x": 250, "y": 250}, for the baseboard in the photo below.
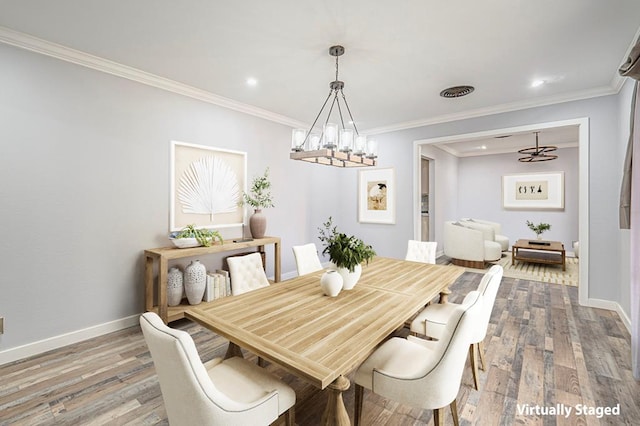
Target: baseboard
{"x": 611, "y": 306}
{"x": 36, "y": 348}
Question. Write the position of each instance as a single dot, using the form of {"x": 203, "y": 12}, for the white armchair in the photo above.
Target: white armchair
{"x": 246, "y": 273}
{"x": 233, "y": 391}
{"x": 432, "y": 321}
{"x": 421, "y": 373}
{"x": 307, "y": 259}
{"x": 470, "y": 247}
{"x": 421, "y": 251}
{"x": 503, "y": 240}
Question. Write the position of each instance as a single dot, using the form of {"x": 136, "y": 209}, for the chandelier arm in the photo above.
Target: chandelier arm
{"x": 339, "y": 111}
{"x": 316, "y": 120}
{"x": 335, "y": 99}
{"x": 344, "y": 98}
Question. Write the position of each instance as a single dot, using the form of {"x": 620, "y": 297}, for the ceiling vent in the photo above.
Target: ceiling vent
{"x": 457, "y": 91}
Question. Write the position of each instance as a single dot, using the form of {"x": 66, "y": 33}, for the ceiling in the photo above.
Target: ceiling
{"x": 399, "y": 55}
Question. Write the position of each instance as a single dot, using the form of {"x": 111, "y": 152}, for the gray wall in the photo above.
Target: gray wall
{"x": 480, "y": 195}
{"x": 85, "y": 188}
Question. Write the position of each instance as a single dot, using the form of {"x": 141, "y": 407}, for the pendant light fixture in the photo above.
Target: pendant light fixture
{"x": 537, "y": 153}
{"x": 334, "y": 144}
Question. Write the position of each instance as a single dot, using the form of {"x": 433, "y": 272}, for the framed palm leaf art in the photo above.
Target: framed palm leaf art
{"x": 206, "y": 186}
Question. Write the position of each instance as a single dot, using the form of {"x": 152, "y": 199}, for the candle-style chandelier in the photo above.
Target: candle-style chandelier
{"x": 537, "y": 153}
{"x": 335, "y": 144}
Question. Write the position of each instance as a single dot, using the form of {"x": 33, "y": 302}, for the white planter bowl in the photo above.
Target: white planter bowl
{"x": 184, "y": 242}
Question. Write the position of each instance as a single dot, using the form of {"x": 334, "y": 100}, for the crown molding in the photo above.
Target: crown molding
{"x": 44, "y": 47}
{"x": 498, "y": 109}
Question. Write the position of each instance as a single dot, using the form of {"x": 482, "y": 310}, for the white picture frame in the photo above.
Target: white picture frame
{"x": 377, "y": 196}
{"x": 533, "y": 191}
{"x": 206, "y": 186}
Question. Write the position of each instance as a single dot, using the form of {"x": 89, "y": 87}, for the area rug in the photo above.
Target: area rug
{"x": 537, "y": 271}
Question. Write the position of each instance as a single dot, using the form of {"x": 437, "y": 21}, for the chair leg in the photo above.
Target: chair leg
{"x": 357, "y": 412}
{"x": 454, "y": 412}
{"x": 474, "y": 364}
{"x": 438, "y": 418}
{"x": 290, "y": 416}
{"x": 483, "y": 364}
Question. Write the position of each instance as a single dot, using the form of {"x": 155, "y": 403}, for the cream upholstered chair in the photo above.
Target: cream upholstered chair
{"x": 421, "y": 251}
{"x": 470, "y": 247}
{"x": 307, "y": 259}
{"x": 233, "y": 391}
{"x": 246, "y": 273}
{"x": 421, "y": 373}
{"x": 503, "y": 240}
{"x": 432, "y": 320}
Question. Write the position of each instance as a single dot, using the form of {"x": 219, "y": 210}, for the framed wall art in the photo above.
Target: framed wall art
{"x": 535, "y": 191}
{"x": 206, "y": 186}
{"x": 377, "y": 196}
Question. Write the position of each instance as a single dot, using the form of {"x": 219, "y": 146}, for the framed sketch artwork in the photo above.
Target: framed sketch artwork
{"x": 206, "y": 186}
{"x": 543, "y": 191}
{"x": 377, "y": 196}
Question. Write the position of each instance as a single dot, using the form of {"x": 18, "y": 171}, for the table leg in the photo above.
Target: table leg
{"x": 514, "y": 253}
{"x": 444, "y": 295}
{"x": 233, "y": 350}
{"x": 336, "y": 413}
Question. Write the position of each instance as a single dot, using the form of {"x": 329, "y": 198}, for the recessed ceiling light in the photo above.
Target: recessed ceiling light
{"x": 537, "y": 83}
{"x": 483, "y": 147}
{"x": 252, "y": 82}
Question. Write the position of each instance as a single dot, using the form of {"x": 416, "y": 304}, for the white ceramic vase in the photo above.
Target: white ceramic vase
{"x": 195, "y": 281}
{"x": 175, "y": 289}
{"x": 331, "y": 283}
{"x": 349, "y": 279}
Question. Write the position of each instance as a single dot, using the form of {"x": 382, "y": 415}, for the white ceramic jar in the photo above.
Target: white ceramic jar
{"x": 331, "y": 283}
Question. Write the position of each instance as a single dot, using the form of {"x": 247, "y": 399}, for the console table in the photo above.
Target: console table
{"x": 162, "y": 255}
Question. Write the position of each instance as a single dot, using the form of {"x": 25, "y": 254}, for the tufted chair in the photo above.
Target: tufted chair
{"x": 433, "y": 319}
{"x": 422, "y": 251}
{"x": 307, "y": 259}
{"x": 422, "y": 373}
{"x": 233, "y": 391}
{"x": 246, "y": 273}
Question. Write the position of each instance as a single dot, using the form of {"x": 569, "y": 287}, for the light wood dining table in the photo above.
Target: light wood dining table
{"x": 322, "y": 339}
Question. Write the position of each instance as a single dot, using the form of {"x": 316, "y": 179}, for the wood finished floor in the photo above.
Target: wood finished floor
{"x": 542, "y": 349}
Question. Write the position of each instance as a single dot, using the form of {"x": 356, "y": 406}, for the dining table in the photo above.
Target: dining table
{"x": 322, "y": 339}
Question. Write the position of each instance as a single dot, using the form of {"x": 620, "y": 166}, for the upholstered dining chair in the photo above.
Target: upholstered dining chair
{"x": 246, "y": 273}
{"x": 421, "y": 251}
{"x": 422, "y": 373}
{"x": 307, "y": 259}
{"x": 220, "y": 392}
{"x": 432, "y": 320}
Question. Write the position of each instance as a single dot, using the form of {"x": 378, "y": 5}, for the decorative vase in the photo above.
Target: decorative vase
{"x": 195, "y": 281}
{"x": 258, "y": 224}
{"x": 349, "y": 279}
{"x": 331, "y": 283}
{"x": 175, "y": 289}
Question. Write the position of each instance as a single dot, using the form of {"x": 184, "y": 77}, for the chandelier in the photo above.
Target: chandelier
{"x": 537, "y": 153}
{"x": 334, "y": 144}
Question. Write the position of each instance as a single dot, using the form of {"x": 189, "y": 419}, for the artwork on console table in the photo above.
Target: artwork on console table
{"x": 377, "y": 196}
{"x": 206, "y": 186}
{"x": 534, "y": 191}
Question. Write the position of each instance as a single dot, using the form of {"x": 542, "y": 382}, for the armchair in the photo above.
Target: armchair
{"x": 497, "y": 229}
{"x": 470, "y": 247}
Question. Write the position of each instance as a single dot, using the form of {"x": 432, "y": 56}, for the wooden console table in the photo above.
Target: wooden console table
{"x": 549, "y": 252}
{"x": 162, "y": 255}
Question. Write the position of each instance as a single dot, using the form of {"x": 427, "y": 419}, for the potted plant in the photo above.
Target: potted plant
{"x": 259, "y": 197}
{"x": 539, "y": 228}
{"x": 347, "y": 252}
{"x": 190, "y": 236}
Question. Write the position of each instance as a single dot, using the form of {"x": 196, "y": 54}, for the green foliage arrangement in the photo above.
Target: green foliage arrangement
{"x": 205, "y": 237}
{"x": 259, "y": 195}
{"x": 539, "y": 228}
{"x": 343, "y": 250}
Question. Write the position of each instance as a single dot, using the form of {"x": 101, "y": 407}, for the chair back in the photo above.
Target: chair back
{"x": 246, "y": 273}
{"x": 438, "y": 383}
{"x": 488, "y": 290}
{"x": 307, "y": 259}
{"x": 189, "y": 395}
{"x": 422, "y": 251}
